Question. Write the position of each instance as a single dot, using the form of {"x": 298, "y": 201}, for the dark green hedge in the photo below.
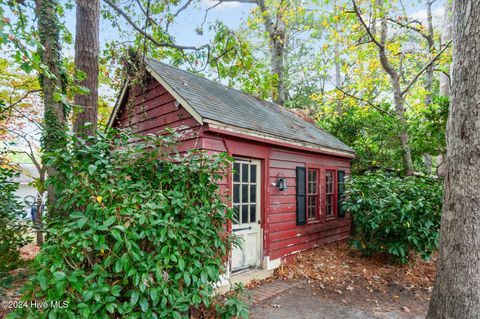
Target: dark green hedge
{"x": 395, "y": 215}
{"x": 141, "y": 234}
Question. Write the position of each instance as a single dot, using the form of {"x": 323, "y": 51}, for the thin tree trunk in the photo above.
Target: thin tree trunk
{"x": 447, "y": 28}
{"x": 54, "y": 114}
{"x": 398, "y": 100}
{"x": 338, "y": 76}
{"x": 403, "y": 134}
{"x": 87, "y": 48}
{"x": 456, "y": 293}
{"x": 277, "y": 38}
{"x": 444, "y": 78}
{"x": 431, "y": 49}
{"x": 427, "y": 158}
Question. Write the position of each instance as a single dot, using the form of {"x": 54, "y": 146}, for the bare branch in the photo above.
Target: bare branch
{"x": 365, "y": 26}
{"x": 207, "y": 10}
{"x": 425, "y": 67}
{"x": 362, "y": 100}
{"x": 148, "y": 36}
{"x": 409, "y": 27}
{"x": 177, "y": 13}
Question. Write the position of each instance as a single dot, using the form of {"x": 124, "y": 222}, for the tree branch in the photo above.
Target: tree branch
{"x": 365, "y": 26}
{"x": 177, "y": 13}
{"x": 425, "y": 67}
{"x": 148, "y": 36}
{"x": 410, "y": 27}
{"x": 362, "y": 100}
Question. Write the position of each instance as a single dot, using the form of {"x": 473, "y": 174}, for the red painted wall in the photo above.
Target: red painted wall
{"x": 152, "y": 110}
{"x": 155, "y": 109}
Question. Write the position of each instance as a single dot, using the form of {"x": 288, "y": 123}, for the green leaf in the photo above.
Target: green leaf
{"x": 134, "y": 297}
{"x": 59, "y": 275}
{"x": 144, "y": 304}
{"x": 87, "y": 295}
{"x": 91, "y": 169}
{"x": 187, "y": 279}
{"x": 110, "y": 221}
{"x": 81, "y": 222}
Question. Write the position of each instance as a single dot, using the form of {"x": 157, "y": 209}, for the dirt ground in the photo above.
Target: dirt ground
{"x": 308, "y": 302}
{"x": 336, "y": 283}
{"x": 339, "y": 283}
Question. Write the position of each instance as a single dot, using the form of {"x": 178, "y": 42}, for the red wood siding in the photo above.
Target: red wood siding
{"x": 152, "y": 110}
{"x": 155, "y": 109}
{"x": 285, "y": 237}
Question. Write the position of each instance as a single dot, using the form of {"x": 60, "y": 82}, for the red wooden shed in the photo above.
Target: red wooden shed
{"x": 286, "y": 185}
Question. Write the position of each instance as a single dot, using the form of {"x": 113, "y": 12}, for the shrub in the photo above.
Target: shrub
{"x": 140, "y": 237}
{"x": 13, "y": 227}
{"x": 395, "y": 215}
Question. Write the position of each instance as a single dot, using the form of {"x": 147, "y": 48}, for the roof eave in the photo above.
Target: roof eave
{"x": 268, "y": 138}
{"x": 119, "y": 101}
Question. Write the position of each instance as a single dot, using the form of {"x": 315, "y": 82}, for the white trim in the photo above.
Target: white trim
{"x": 238, "y": 130}
{"x": 177, "y": 96}
{"x": 118, "y": 103}
{"x": 271, "y": 264}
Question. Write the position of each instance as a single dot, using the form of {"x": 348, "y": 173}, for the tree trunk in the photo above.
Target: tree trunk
{"x": 338, "y": 76}
{"x": 398, "y": 100}
{"x": 403, "y": 135}
{"x": 431, "y": 49}
{"x": 87, "y": 48}
{"x": 278, "y": 70}
{"x": 53, "y": 137}
{"x": 444, "y": 78}
{"x": 427, "y": 158}
{"x": 446, "y": 37}
{"x": 456, "y": 293}
{"x": 277, "y": 39}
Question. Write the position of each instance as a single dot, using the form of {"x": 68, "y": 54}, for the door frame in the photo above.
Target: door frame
{"x": 260, "y": 207}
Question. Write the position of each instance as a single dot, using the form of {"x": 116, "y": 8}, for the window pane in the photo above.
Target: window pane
{"x": 253, "y": 173}
{"x": 244, "y": 193}
{"x": 244, "y": 214}
{"x": 329, "y": 205}
{"x": 236, "y": 193}
{"x": 235, "y": 214}
{"x": 244, "y": 173}
{"x": 253, "y": 193}
{"x": 236, "y": 172}
{"x": 253, "y": 213}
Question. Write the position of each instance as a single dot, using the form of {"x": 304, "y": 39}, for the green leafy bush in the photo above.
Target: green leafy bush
{"x": 395, "y": 215}
{"x": 140, "y": 237}
{"x": 13, "y": 227}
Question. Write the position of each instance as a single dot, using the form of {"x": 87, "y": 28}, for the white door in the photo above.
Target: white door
{"x": 246, "y": 201}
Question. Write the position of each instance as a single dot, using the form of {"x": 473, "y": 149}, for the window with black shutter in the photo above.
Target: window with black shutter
{"x": 341, "y": 193}
{"x": 301, "y": 195}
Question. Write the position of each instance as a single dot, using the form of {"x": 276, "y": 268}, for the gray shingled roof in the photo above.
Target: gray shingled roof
{"x": 214, "y": 101}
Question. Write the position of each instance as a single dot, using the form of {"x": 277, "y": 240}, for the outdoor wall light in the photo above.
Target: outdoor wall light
{"x": 282, "y": 183}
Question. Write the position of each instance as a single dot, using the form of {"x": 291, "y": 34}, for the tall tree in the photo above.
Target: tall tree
{"x": 51, "y": 79}
{"x": 395, "y": 73}
{"x": 456, "y": 293}
{"x": 87, "y": 46}
{"x": 445, "y": 76}
{"x": 277, "y": 35}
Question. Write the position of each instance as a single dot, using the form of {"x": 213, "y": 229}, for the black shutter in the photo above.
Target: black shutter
{"x": 301, "y": 195}
{"x": 341, "y": 193}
